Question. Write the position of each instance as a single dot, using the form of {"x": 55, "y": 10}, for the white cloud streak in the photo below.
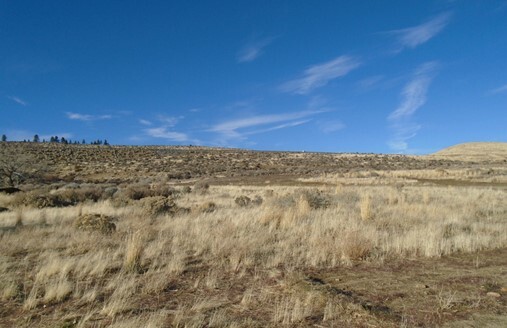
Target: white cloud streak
{"x": 278, "y": 127}
{"x": 321, "y": 74}
{"x": 370, "y": 82}
{"x": 331, "y": 126}
{"x": 87, "y": 117}
{"x": 145, "y": 122}
{"x": 18, "y": 100}
{"x": 415, "y": 36}
{"x": 169, "y": 120}
{"x": 413, "y": 97}
{"x": 164, "y": 133}
{"x": 502, "y": 89}
{"x": 231, "y": 128}
{"x": 253, "y": 50}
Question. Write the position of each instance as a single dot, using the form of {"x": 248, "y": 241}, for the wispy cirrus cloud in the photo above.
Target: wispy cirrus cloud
{"x": 163, "y": 132}
{"x": 169, "y": 120}
{"x": 413, "y": 97}
{"x": 253, "y": 50}
{"x": 87, "y": 117}
{"x": 501, "y": 89}
{"x": 277, "y": 127}
{"x": 331, "y": 126}
{"x": 18, "y": 100}
{"x": 165, "y": 129}
{"x": 370, "y": 82}
{"x": 414, "y": 36}
{"x": 321, "y": 74}
{"x": 239, "y": 128}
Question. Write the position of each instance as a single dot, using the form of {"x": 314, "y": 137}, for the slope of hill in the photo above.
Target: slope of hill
{"x": 475, "y": 151}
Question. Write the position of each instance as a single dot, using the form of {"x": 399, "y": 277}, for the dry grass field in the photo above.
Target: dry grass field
{"x": 200, "y": 237}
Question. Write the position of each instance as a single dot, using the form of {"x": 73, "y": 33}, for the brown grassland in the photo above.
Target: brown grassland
{"x": 106, "y": 236}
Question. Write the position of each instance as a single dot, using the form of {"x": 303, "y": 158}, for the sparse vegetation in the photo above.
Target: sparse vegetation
{"x": 342, "y": 248}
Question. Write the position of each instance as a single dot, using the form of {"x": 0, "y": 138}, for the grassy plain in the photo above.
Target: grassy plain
{"x": 200, "y": 237}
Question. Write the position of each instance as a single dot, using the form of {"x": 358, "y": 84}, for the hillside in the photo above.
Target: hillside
{"x": 84, "y": 163}
{"x": 475, "y": 151}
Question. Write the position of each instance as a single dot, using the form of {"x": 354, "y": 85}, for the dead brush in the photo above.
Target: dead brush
{"x": 201, "y": 187}
{"x": 208, "y": 207}
{"x": 316, "y": 199}
{"x": 96, "y": 222}
{"x": 355, "y": 246}
{"x": 80, "y": 195}
{"x": 159, "y": 205}
{"x": 40, "y": 199}
{"x": 137, "y": 192}
{"x": 243, "y": 201}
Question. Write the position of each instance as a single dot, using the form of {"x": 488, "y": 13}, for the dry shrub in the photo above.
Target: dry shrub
{"x": 316, "y": 199}
{"x": 109, "y": 192}
{"x": 243, "y": 201}
{"x": 75, "y": 196}
{"x": 355, "y": 246}
{"x": 40, "y": 199}
{"x": 96, "y": 222}
{"x": 201, "y": 187}
{"x": 208, "y": 207}
{"x": 137, "y": 192}
{"x": 451, "y": 230}
{"x": 159, "y": 205}
{"x": 163, "y": 190}
{"x": 119, "y": 201}
{"x": 257, "y": 200}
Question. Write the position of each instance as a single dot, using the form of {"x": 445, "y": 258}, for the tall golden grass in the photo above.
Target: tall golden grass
{"x": 107, "y": 274}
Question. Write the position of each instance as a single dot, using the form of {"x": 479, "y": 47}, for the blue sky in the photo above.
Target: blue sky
{"x": 338, "y": 76}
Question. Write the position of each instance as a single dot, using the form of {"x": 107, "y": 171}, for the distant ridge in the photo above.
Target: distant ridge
{"x": 475, "y": 151}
